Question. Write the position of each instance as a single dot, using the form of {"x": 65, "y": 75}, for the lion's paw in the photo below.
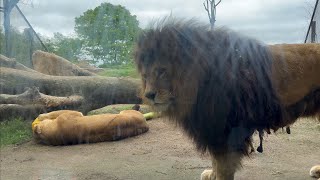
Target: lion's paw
{"x": 315, "y": 171}
{"x": 207, "y": 175}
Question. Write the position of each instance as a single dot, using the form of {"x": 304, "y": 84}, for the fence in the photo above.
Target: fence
{"x": 18, "y": 43}
{"x": 313, "y": 32}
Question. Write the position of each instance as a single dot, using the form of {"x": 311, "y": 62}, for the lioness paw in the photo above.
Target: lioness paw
{"x": 207, "y": 175}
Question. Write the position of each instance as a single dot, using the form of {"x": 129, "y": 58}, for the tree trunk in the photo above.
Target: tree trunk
{"x": 28, "y": 112}
{"x": 26, "y": 92}
{"x": 97, "y": 91}
{"x": 33, "y": 96}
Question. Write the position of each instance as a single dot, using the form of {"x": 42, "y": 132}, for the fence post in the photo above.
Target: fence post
{"x": 313, "y": 32}
{"x": 7, "y": 7}
{"x": 6, "y": 25}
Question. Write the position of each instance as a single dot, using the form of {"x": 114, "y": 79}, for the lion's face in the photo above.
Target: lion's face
{"x": 170, "y": 69}
{"x": 168, "y": 85}
{"x": 157, "y": 89}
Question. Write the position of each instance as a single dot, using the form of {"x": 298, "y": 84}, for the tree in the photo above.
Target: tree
{"x": 67, "y": 47}
{"x": 210, "y": 6}
{"x": 108, "y": 33}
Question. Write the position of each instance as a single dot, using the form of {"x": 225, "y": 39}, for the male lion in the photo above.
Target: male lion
{"x": 221, "y": 86}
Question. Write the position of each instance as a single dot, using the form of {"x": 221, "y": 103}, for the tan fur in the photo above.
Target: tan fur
{"x": 296, "y": 70}
{"x": 209, "y": 82}
{"x": 71, "y": 127}
{"x": 315, "y": 171}
{"x": 55, "y": 114}
{"x": 51, "y": 64}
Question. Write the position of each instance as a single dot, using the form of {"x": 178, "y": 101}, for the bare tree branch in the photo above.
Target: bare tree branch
{"x": 212, "y": 12}
{"x": 206, "y": 8}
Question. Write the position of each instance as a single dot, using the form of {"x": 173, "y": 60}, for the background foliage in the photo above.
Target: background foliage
{"x": 20, "y": 45}
{"x": 107, "y": 33}
{"x": 104, "y": 36}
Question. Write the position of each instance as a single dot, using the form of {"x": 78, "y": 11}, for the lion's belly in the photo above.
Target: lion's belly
{"x": 296, "y": 70}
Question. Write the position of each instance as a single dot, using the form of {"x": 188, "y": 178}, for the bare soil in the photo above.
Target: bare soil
{"x": 164, "y": 152}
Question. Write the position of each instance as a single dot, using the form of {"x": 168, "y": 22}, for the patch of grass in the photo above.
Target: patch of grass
{"x": 120, "y": 71}
{"x": 14, "y": 131}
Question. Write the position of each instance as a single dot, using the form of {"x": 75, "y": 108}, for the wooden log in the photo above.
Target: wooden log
{"x": 33, "y": 96}
{"x": 97, "y": 91}
{"x": 27, "y": 112}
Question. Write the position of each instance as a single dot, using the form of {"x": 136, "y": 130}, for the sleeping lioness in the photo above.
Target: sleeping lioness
{"x": 71, "y": 127}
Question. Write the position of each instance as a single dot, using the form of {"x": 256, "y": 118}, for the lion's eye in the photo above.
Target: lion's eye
{"x": 162, "y": 73}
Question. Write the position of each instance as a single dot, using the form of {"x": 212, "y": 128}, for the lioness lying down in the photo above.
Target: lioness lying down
{"x": 71, "y": 127}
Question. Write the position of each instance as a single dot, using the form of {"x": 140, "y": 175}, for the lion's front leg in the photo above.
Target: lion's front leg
{"x": 224, "y": 167}
{"x": 209, "y": 174}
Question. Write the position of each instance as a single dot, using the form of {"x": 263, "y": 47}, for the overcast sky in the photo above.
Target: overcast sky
{"x": 271, "y": 21}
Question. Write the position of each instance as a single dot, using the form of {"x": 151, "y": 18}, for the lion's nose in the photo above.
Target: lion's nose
{"x": 150, "y": 95}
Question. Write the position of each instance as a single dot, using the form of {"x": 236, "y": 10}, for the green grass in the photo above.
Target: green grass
{"x": 120, "y": 71}
{"x": 14, "y": 131}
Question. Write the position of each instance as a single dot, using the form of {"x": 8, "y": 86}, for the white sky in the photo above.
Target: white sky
{"x": 271, "y": 21}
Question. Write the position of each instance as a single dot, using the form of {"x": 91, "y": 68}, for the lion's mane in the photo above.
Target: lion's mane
{"x": 223, "y": 80}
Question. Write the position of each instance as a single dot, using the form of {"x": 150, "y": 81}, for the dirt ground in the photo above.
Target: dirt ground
{"x": 164, "y": 152}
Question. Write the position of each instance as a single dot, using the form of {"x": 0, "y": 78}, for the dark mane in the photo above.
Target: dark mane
{"x": 234, "y": 95}
{"x": 221, "y": 86}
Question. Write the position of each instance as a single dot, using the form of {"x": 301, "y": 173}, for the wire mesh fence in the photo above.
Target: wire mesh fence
{"x": 313, "y": 32}
{"x": 20, "y": 42}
